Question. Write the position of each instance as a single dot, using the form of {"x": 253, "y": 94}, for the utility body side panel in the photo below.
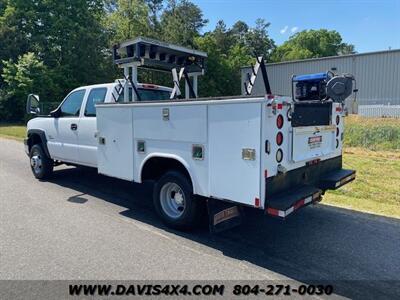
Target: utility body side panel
{"x": 232, "y": 130}
{"x": 115, "y": 148}
{"x": 171, "y": 131}
{"x": 171, "y": 123}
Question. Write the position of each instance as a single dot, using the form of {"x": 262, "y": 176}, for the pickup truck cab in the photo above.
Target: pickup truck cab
{"x": 68, "y": 134}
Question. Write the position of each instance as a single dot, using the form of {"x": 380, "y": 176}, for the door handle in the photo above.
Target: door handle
{"x": 74, "y": 127}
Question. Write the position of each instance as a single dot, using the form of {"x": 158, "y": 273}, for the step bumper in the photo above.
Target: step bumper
{"x": 337, "y": 179}
{"x": 284, "y": 204}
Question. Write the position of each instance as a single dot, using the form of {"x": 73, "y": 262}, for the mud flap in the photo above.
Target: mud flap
{"x": 223, "y": 215}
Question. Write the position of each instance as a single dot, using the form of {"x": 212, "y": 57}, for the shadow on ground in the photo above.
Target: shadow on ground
{"x": 359, "y": 254}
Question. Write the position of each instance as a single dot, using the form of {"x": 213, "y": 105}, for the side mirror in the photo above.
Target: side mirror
{"x": 32, "y": 105}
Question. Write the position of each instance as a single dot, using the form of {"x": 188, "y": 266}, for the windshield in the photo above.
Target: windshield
{"x": 148, "y": 95}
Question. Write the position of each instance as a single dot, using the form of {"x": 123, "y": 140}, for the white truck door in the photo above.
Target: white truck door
{"x": 87, "y": 138}
{"x": 65, "y": 144}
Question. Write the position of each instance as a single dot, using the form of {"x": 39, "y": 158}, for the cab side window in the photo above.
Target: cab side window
{"x": 95, "y": 96}
{"x": 72, "y": 105}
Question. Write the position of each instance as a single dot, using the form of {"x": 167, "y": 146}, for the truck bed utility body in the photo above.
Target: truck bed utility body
{"x": 241, "y": 159}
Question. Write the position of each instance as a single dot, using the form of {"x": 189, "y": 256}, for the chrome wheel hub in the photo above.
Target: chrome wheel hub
{"x": 172, "y": 200}
{"x": 36, "y": 163}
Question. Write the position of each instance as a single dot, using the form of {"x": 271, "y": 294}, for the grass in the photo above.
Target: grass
{"x": 372, "y": 147}
{"x": 379, "y": 134}
{"x": 17, "y": 132}
{"x": 376, "y": 189}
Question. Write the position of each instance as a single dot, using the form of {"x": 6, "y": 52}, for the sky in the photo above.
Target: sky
{"x": 370, "y": 25}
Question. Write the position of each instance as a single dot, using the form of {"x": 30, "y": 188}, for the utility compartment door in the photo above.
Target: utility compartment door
{"x": 115, "y": 144}
{"x": 313, "y": 142}
{"x": 233, "y": 130}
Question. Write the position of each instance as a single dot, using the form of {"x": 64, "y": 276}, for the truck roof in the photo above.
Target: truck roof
{"x": 148, "y": 86}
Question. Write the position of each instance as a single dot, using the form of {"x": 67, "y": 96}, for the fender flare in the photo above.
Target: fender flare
{"x": 168, "y": 156}
{"x": 42, "y": 136}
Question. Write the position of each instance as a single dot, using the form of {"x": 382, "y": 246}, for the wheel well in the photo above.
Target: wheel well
{"x": 155, "y": 167}
{"x": 34, "y": 139}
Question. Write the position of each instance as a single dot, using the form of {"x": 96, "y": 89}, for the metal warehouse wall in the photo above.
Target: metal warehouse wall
{"x": 377, "y": 74}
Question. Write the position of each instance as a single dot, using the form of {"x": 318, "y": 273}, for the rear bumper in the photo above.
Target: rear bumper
{"x": 284, "y": 204}
{"x": 337, "y": 179}
{"x": 301, "y": 187}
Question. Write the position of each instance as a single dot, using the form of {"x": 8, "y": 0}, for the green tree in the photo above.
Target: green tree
{"x": 346, "y": 49}
{"x": 27, "y": 75}
{"x": 155, "y": 7}
{"x": 127, "y": 19}
{"x": 239, "y": 30}
{"x": 223, "y": 37}
{"x": 13, "y": 40}
{"x": 217, "y": 79}
{"x": 312, "y": 44}
{"x": 258, "y": 40}
{"x": 228, "y": 50}
{"x": 182, "y": 22}
{"x": 66, "y": 36}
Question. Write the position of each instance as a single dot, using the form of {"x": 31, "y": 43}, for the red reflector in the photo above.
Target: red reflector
{"x": 266, "y": 173}
{"x": 313, "y": 162}
{"x": 273, "y": 211}
{"x": 279, "y": 138}
{"x": 257, "y": 202}
{"x": 338, "y": 109}
{"x": 279, "y": 121}
{"x": 279, "y": 106}
{"x": 299, "y": 204}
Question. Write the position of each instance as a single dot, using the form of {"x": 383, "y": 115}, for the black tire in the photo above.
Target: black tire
{"x": 41, "y": 165}
{"x": 192, "y": 208}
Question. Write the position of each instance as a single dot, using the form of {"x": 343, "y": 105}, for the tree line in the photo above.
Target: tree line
{"x": 49, "y": 47}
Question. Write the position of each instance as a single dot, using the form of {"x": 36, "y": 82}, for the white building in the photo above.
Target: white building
{"x": 377, "y": 75}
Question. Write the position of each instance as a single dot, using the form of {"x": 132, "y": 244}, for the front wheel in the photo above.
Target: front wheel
{"x": 174, "y": 201}
{"x": 41, "y": 164}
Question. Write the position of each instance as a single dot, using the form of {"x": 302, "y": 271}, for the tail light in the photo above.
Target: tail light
{"x": 279, "y": 138}
{"x": 279, "y": 122}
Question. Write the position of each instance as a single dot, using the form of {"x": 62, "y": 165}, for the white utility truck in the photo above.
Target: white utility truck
{"x": 272, "y": 153}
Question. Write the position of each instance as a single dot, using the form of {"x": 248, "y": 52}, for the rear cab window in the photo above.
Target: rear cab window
{"x": 148, "y": 95}
{"x": 96, "y": 95}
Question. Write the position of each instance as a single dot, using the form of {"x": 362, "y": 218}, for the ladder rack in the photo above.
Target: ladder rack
{"x": 251, "y": 79}
{"x": 159, "y": 56}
